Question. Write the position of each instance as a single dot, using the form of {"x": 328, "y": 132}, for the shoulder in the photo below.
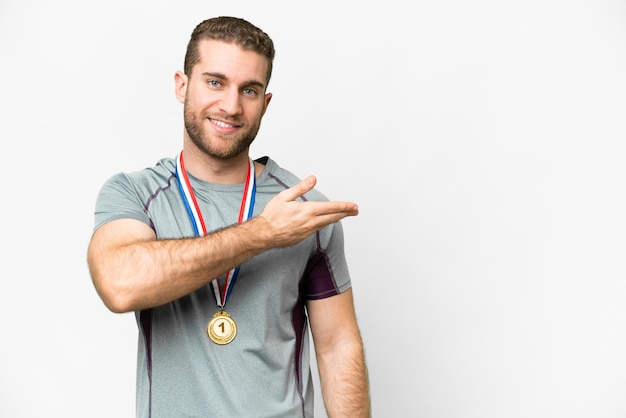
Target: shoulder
{"x": 163, "y": 170}
{"x": 149, "y": 178}
{"x": 130, "y": 194}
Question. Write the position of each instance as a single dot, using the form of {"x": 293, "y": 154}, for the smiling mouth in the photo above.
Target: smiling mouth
{"x": 223, "y": 124}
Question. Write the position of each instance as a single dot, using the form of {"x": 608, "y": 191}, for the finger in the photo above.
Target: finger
{"x": 325, "y": 219}
{"x": 299, "y": 189}
{"x": 334, "y": 207}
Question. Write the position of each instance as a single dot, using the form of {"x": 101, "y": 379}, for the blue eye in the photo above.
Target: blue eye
{"x": 249, "y": 92}
{"x": 214, "y": 83}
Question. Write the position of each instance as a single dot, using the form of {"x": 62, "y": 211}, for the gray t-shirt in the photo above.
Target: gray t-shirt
{"x": 265, "y": 370}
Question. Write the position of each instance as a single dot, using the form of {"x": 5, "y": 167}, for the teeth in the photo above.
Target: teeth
{"x": 222, "y": 124}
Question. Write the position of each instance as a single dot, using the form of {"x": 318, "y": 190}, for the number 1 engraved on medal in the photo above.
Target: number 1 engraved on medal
{"x": 222, "y": 328}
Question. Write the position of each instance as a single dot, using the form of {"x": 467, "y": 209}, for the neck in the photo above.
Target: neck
{"x": 216, "y": 170}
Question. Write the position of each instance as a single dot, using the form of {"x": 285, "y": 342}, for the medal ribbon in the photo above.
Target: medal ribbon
{"x": 199, "y": 227}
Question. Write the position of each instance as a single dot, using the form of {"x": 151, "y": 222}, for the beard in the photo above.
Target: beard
{"x": 236, "y": 144}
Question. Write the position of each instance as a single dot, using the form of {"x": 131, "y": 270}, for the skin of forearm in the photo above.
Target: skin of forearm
{"x": 150, "y": 273}
{"x": 345, "y": 384}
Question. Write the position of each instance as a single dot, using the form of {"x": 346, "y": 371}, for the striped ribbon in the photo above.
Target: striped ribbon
{"x": 199, "y": 227}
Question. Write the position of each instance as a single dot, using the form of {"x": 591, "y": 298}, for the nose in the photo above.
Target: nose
{"x": 230, "y": 102}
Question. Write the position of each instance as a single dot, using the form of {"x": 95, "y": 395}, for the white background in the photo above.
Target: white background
{"x": 483, "y": 141}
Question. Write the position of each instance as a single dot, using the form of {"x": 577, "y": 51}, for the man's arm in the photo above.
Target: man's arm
{"x": 132, "y": 270}
{"x": 340, "y": 356}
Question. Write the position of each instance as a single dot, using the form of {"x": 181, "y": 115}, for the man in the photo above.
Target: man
{"x": 224, "y": 260}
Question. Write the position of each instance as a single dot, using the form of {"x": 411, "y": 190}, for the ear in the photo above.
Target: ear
{"x": 180, "y": 85}
{"x": 268, "y": 97}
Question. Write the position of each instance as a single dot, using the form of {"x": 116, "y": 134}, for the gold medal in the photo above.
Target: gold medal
{"x": 222, "y": 328}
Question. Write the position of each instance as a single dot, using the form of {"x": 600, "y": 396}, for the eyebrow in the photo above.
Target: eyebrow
{"x": 223, "y": 77}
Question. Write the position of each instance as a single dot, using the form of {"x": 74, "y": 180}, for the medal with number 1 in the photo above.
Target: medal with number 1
{"x": 222, "y": 328}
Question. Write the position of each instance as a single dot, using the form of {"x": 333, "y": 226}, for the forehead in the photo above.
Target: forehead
{"x": 230, "y": 60}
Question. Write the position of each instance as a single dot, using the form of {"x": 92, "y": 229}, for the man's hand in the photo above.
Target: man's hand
{"x": 289, "y": 221}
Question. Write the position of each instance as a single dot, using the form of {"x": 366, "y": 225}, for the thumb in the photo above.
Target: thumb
{"x": 299, "y": 189}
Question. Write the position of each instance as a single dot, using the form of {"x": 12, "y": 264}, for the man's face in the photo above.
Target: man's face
{"x": 225, "y": 99}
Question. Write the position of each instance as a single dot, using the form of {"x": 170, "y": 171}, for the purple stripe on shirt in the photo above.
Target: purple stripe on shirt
{"x": 145, "y": 319}
{"x": 318, "y": 281}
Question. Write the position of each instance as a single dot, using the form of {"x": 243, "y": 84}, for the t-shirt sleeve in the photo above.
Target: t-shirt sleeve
{"x": 118, "y": 199}
{"x": 327, "y": 272}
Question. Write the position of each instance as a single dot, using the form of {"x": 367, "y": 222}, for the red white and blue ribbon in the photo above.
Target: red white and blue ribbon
{"x": 199, "y": 227}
